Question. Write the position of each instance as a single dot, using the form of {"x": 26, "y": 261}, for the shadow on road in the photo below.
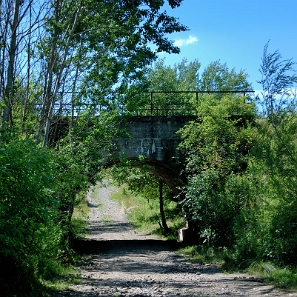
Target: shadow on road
{"x": 91, "y": 246}
{"x": 153, "y": 272}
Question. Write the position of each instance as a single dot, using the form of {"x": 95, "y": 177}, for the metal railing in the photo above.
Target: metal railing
{"x": 175, "y": 109}
{"x": 152, "y": 108}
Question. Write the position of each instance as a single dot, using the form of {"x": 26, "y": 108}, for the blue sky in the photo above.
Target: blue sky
{"x": 235, "y": 32}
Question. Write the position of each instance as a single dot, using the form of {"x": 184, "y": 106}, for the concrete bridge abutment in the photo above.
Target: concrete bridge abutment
{"x": 153, "y": 137}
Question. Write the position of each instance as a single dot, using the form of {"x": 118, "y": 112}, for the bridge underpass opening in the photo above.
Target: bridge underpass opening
{"x": 152, "y": 141}
{"x": 164, "y": 186}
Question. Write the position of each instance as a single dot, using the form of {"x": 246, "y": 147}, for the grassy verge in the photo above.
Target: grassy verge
{"x": 144, "y": 214}
{"x": 204, "y": 254}
{"x": 281, "y": 277}
{"x": 66, "y": 276}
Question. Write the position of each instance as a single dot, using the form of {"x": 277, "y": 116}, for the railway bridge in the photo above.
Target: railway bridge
{"x": 152, "y": 135}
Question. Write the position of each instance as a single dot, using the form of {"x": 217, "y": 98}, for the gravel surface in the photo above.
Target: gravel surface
{"x": 123, "y": 262}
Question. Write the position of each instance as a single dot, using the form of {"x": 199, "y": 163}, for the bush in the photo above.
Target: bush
{"x": 214, "y": 202}
{"x": 217, "y": 155}
{"x": 29, "y": 228}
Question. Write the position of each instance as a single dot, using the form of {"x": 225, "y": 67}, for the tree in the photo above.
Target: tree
{"x": 183, "y": 77}
{"x": 168, "y": 86}
{"x": 14, "y": 34}
{"x": 59, "y": 48}
{"x": 10, "y": 67}
{"x": 264, "y": 229}
{"x": 117, "y": 54}
{"x": 182, "y": 88}
{"x": 276, "y": 161}
{"x": 217, "y": 77}
{"x": 278, "y": 79}
{"x": 100, "y": 47}
{"x": 111, "y": 58}
{"x": 86, "y": 54}
{"x": 142, "y": 181}
{"x": 216, "y": 147}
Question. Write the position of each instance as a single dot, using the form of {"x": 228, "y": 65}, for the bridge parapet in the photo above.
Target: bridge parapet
{"x": 153, "y": 137}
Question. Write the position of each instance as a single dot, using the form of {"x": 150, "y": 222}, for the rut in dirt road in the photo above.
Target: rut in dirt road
{"x": 124, "y": 262}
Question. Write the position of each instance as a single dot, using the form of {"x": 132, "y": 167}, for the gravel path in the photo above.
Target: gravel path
{"x": 123, "y": 262}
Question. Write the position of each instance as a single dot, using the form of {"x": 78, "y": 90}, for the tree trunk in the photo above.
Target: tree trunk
{"x": 162, "y": 213}
{"x": 59, "y": 76}
{"x": 7, "y": 116}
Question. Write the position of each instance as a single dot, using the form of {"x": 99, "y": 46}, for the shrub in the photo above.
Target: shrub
{"x": 29, "y": 228}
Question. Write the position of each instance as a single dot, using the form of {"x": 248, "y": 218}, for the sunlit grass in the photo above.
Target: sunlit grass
{"x": 204, "y": 254}
{"x": 144, "y": 213}
{"x": 67, "y": 276}
{"x": 285, "y": 278}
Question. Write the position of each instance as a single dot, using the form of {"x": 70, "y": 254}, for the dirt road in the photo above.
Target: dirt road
{"x": 124, "y": 262}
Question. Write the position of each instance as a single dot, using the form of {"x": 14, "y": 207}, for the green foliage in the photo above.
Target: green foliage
{"x": 166, "y": 82}
{"x": 221, "y": 137}
{"x": 141, "y": 181}
{"x": 30, "y": 239}
{"x": 78, "y": 158}
{"x": 183, "y": 76}
{"x": 280, "y": 277}
{"x": 171, "y": 85}
{"x": 217, "y": 77}
{"x": 278, "y": 80}
{"x": 215, "y": 202}
{"x": 116, "y": 39}
{"x": 217, "y": 148}
{"x": 205, "y": 254}
{"x": 266, "y": 230}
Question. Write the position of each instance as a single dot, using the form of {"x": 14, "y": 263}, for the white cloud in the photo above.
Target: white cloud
{"x": 182, "y": 42}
